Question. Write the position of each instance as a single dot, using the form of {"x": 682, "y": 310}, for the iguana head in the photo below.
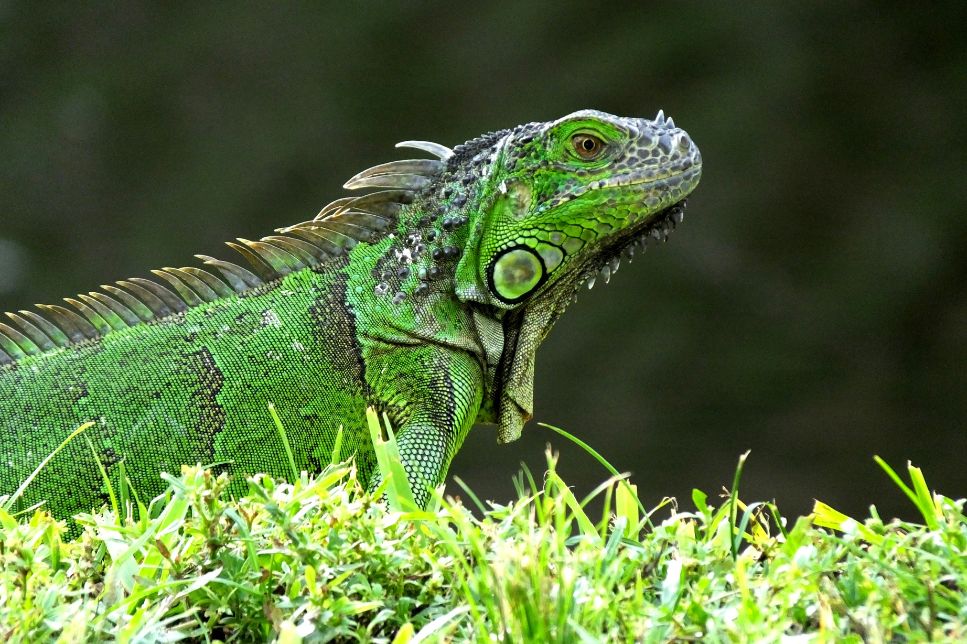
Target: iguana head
{"x": 550, "y": 206}
{"x": 562, "y": 200}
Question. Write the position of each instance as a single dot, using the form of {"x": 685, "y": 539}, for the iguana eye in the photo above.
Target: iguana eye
{"x": 587, "y": 146}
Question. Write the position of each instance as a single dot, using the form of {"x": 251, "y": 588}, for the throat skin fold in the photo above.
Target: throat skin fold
{"x": 425, "y": 297}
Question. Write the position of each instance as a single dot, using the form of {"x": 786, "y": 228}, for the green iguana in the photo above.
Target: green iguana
{"x": 426, "y": 299}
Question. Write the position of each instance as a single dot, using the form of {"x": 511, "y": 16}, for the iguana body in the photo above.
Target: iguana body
{"x": 426, "y": 299}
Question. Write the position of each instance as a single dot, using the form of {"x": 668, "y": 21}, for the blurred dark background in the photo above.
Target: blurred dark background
{"x": 812, "y": 308}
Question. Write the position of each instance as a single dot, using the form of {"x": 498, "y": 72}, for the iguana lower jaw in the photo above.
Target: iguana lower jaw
{"x": 656, "y": 229}
{"x": 529, "y": 325}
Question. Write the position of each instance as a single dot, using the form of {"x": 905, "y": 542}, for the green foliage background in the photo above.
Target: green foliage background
{"x": 812, "y": 308}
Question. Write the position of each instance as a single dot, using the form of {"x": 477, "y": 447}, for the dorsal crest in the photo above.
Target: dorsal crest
{"x": 338, "y": 227}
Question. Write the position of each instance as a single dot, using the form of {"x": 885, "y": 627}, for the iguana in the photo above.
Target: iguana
{"x": 426, "y": 298}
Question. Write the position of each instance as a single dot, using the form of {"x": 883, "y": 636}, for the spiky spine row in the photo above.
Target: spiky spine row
{"x": 336, "y": 229}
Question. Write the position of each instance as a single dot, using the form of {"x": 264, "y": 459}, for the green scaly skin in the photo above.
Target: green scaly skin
{"x": 427, "y": 300}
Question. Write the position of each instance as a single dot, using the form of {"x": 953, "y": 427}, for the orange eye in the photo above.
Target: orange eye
{"x": 587, "y": 146}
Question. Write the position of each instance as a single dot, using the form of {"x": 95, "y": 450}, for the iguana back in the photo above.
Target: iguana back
{"x": 191, "y": 388}
{"x": 426, "y": 299}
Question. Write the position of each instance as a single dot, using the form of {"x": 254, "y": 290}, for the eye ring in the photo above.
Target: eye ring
{"x": 516, "y": 273}
{"x": 587, "y": 146}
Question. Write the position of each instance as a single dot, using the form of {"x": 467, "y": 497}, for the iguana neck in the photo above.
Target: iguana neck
{"x": 525, "y": 329}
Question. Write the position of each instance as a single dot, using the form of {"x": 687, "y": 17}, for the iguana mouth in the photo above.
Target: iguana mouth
{"x": 636, "y": 239}
{"x": 682, "y": 172}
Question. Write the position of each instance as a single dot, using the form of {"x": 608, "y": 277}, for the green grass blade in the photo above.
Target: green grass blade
{"x": 598, "y": 457}
{"x": 826, "y": 516}
{"x": 699, "y": 499}
{"x": 558, "y": 487}
{"x": 920, "y": 494}
{"x": 123, "y": 496}
{"x": 107, "y": 481}
{"x": 336, "y": 448}
{"x": 471, "y": 494}
{"x": 929, "y": 508}
{"x": 438, "y": 629}
{"x": 734, "y": 506}
{"x": 626, "y": 506}
{"x": 587, "y": 448}
{"x": 8, "y": 504}
{"x": 896, "y": 479}
{"x": 285, "y": 440}
{"x": 398, "y": 490}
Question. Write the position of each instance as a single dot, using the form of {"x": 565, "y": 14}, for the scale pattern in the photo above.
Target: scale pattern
{"x": 426, "y": 298}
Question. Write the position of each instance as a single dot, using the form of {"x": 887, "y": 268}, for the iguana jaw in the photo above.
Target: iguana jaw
{"x": 526, "y": 327}
{"x": 607, "y": 260}
{"x": 645, "y": 226}
{"x": 648, "y": 185}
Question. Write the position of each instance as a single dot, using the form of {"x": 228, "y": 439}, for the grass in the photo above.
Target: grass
{"x": 319, "y": 559}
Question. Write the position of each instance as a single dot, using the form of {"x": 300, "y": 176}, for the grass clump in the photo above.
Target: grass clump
{"x": 320, "y": 559}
